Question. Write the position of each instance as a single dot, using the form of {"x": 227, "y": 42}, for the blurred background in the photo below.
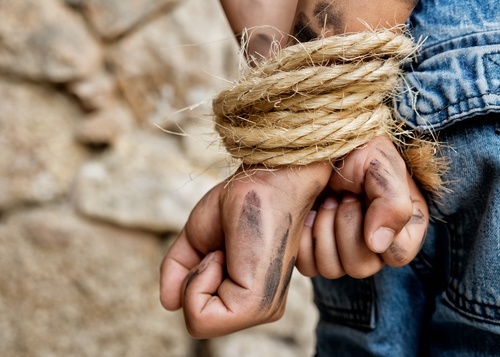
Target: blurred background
{"x": 92, "y": 187}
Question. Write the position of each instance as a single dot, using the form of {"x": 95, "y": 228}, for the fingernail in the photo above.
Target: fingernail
{"x": 311, "y": 216}
{"x": 382, "y": 239}
{"x": 204, "y": 263}
{"x": 349, "y": 198}
{"x": 330, "y": 203}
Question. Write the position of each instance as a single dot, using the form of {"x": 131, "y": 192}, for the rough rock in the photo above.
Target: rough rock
{"x": 151, "y": 186}
{"x": 38, "y": 160}
{"x": 103, "y": 127}
{"x": 45, "y": 41}
{"x": 75, "y": 288}
{"x": 112, "y": 18}
{"x": 176, "y": 61}
{"x": 94, "y": 92}
{"x": 91, "y": 188}
{"x": 202, "y": 146}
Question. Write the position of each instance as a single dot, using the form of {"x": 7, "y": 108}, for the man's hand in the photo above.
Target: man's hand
{"x": 230, "y": 267}
{"x": 374, "y": 214}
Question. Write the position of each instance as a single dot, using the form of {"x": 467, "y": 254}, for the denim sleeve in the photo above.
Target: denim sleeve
{"x": 456, "y": 75}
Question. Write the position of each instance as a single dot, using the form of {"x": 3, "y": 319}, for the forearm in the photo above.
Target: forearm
{"x": 266, "y": 20}
{"x": 320, "y": 18}
{"x": 274, "y": 20}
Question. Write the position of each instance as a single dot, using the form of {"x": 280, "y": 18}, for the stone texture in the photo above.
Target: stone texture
{"x": 39, "y": 157}
{"x": 176, "y": 61}
{"x": 103, "y": 127}
{"x": 90, "y": 187}
{"x": 112, "y": 18}
{"x": 45, "y": 41}
{"x": 74, "y": 288}
{"x": 201, "y": 145}
{"x": 94, "y": 92}
{"x": 151, "y": 186}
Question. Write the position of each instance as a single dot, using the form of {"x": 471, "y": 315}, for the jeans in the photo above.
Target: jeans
{"x": 447, "y": 301}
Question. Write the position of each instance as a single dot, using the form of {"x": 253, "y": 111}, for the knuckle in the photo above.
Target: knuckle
{"x": 400, "y": 211}
{"x": 331, "y": 272}
{"x": 164, "y": 302}
{"x": 361, "y": 271}
{"x": 196, "y": 326}
{"x": 358, "y": 273}
{"x": 194, "y": 331}
{"x": 309, "y": 273}
{"x": 305, "y": 264}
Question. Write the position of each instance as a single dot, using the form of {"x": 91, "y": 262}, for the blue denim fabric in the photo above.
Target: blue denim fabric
{"x": 447, "y": 301}
{"x": 457, "y": 72}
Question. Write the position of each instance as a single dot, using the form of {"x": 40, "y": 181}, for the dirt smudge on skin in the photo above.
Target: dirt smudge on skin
{"x": 250, "y": 220}
{"x": 302, "y": 29}
{"x": 417, "y": 218}
{"x": 329, "y": 16}
{"x": 288, "y": 278}
{"x": 397, "y": 252}
{"x": 273, "y": 275}
{"x": 375, "y": 171}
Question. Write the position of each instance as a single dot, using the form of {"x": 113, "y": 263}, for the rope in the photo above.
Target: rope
{"x": 318, "y": 101}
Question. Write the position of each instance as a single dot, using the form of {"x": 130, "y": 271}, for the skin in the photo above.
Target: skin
{"x": 371, "y": 190}
{"x": 230, "y": 267}
{"x": 333, "y": 17}
{"x": 248, "y": 229}
{"x": 266, "y": 21}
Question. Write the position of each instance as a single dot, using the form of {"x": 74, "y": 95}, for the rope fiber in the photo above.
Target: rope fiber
{"x": 320, "y": 100}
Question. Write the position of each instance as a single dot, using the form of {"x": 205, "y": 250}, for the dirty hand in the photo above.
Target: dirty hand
{"x": 373, "y": 214}
{"x": 230, "y": 267}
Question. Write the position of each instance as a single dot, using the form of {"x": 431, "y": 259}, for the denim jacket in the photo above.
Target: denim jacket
{"x": 456, "y": 75}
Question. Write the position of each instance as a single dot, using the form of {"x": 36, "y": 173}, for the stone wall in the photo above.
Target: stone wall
{"x": 94, "y": 185}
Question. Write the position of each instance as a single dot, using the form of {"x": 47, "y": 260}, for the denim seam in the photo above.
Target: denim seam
{"x": 455, "y": 117}
{"x": 360, "y": 314}
{"x": 351, "y": 316}
{"x": 457, "y": 303}
{"x": 444, "y": 45}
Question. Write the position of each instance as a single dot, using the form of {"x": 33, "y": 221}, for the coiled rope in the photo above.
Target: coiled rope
{"x": 319, "y": 101}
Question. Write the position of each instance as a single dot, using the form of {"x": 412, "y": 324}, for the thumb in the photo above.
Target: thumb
{"x": 384, "y": 219}
{"x": 377, "y": 172}
{"x": 389, "y": 202}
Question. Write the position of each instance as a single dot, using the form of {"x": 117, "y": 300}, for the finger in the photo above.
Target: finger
{"x": 327, "y": 258}
{"x": 214, "y": 306}
{"x": 378, "y": 172}
{"x": 389, "y": 200}
{"x": 180, "y": 259}
{"x": 357, "y": 260}
{"x": 306, "y": 263}
{"x": 201, "y": 234}
{"x": 408, "y": 242}
{"x": 203, "y": 229}
{"x": 262, "y": 216}
{"x": 206, "y": 313}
